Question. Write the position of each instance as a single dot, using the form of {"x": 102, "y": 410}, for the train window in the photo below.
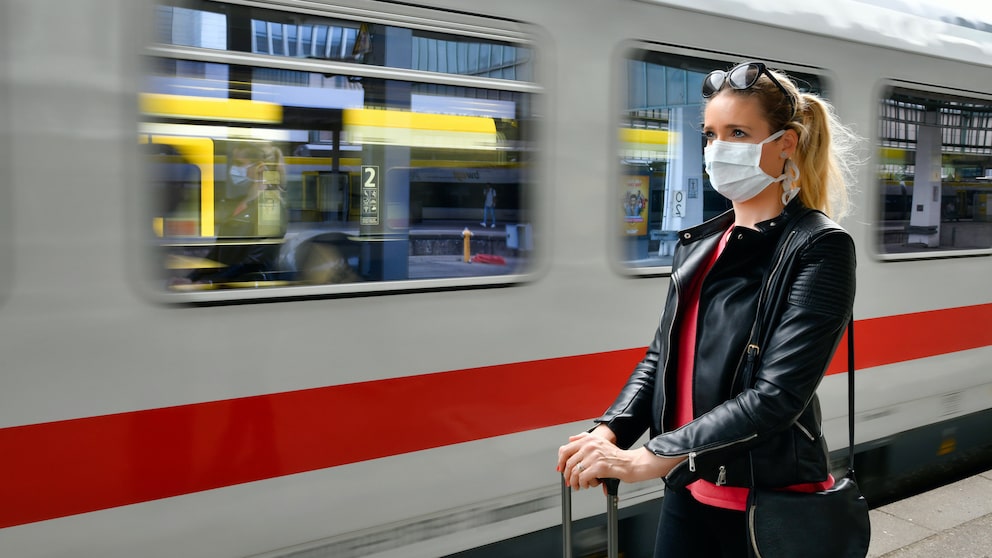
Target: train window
{"x": 663, "y": 186}
{"x": 326, "y": 154}
{"x": 934, "y": 174}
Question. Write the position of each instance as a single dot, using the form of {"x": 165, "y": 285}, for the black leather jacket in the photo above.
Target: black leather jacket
{"x": 766, "y": 420}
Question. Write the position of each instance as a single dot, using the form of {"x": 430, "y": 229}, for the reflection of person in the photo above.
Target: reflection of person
{"x": 250, "y": 214}
{"x": 716, "y": 427}
{"x": 489, "y": 207}
{"x": 952, "y": 211}
{"x": 254, "y": 169}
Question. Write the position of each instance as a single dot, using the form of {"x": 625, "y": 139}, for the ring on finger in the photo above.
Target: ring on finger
{"x": 579, "y": 467}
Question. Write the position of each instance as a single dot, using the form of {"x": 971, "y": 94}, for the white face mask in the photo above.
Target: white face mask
{"x": 735, "y": 169}
{"x": 239, "y": 174}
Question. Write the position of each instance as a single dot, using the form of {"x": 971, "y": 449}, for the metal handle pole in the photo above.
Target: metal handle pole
{"x": 566, "y": 519}
{"x": 612, "y": 518}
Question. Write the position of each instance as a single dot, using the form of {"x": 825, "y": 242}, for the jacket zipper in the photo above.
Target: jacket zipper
{"x": 752, "y": 350}
{"x": 694, "y": 454}
{"x": 805, "y": 431}
{"x": 668, "y": 355}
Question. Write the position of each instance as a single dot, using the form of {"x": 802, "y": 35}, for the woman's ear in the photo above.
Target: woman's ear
{"x": 790, "y": 139}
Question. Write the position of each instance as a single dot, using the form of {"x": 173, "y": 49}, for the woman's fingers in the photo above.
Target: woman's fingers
{"x": 581, "y": 460}
{"x": 570, "y": 462}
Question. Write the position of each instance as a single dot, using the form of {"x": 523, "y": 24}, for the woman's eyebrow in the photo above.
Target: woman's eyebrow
{"x": 728, "y": 127}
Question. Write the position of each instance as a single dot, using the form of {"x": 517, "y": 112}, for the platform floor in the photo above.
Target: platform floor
{"x": 954, "y": 520}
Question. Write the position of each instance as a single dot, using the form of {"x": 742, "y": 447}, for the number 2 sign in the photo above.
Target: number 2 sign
{"x": 370, "y": 195}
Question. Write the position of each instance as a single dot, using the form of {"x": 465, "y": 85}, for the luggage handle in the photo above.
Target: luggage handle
{"x": 612, "y": 518}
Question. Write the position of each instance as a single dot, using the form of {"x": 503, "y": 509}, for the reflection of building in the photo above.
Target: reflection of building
{"x": 435, "y": 111}
{"x": 934, "y": 151}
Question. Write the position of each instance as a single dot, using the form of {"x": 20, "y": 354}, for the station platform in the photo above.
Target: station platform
{"x": 954, "y": 520}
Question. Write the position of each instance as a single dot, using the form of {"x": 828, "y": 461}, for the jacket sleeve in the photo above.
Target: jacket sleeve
{"x": 630, "y": 414}
{"x": 812, "y": 313}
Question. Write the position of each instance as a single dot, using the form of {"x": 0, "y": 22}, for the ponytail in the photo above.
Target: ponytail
{"x": 825, "y": 156}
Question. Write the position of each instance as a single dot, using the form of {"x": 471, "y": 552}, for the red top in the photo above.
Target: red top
{"x": 728, "y": 497}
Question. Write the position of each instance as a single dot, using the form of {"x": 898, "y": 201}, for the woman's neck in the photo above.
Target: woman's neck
{"x": 766, "y": 205}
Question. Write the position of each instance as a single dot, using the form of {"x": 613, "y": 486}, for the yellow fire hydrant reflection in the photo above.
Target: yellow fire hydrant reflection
{"x": 467, "y": 245}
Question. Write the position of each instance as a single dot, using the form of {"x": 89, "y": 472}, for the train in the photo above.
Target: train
{"x": 255, "y": 300}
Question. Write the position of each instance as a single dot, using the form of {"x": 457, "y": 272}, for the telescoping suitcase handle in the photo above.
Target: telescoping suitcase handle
{"x": 612, "y": 518}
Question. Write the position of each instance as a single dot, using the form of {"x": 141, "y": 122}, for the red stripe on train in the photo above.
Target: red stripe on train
{"x": 62, "y": 468}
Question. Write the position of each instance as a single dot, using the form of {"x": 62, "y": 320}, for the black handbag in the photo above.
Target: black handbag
{"x": 831, "y": 523}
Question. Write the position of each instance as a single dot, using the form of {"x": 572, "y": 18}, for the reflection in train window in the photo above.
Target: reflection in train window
{"x": 663, "y": 186}
{"x": 215, "y": 25}
{"x": 935, "y": 172}
{"x": 306, "y": 166}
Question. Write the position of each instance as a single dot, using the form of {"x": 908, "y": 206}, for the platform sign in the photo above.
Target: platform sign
{"x": 370, "y": 195}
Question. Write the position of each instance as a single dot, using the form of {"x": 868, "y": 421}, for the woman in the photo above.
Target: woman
{"x": 716, "y": 428}
{"x": 250, "y": 214}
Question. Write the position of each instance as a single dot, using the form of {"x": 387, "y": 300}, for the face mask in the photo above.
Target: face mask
{"x": 735, "y": 169}
{"x": 239, "y": 175}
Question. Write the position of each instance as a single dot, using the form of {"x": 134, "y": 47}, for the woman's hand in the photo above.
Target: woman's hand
{"x": 590, "y": 456}
{"x": 568, "y": 460}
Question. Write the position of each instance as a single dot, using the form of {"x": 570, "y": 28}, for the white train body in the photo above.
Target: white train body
{"x": 421, "y": 417}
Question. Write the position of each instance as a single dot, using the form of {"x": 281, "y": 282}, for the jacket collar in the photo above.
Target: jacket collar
{"x": 722, "y": 222}
{"x": 793, "y": 209}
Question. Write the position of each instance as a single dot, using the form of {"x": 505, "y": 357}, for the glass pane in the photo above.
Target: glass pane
{"x": 222, "y": 26}
{"x": 663, "y": 187}
{"x": 935, "y": 172}
{"x": 267, "y": 177}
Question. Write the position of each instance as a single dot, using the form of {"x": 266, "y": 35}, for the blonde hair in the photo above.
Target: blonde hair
{"x": 827, "y": 150}
{"x": 262, "y": 153}
{"x": 826, "y": 156}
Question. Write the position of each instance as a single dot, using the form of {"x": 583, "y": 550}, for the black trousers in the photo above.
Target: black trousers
{"x": 690, "y": 529}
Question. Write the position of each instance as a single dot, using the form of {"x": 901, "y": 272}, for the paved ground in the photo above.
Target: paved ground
{"x": 953, "y": 521}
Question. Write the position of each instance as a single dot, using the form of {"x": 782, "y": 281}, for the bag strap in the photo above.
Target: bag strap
{"x": 850, "y": 404}
{"x": 850, "y": 397}
{"x": 755, "y": 338}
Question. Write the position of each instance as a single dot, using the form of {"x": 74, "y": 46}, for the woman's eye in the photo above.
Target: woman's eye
{"x": 739, "y": 134}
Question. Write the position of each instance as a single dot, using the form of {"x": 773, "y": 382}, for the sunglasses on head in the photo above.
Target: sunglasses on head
{"x": 742, "y": 76}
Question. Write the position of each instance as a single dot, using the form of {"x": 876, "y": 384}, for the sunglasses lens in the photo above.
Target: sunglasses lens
{"x": 744, "y": 76}
{"x": 713, "y": 82}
